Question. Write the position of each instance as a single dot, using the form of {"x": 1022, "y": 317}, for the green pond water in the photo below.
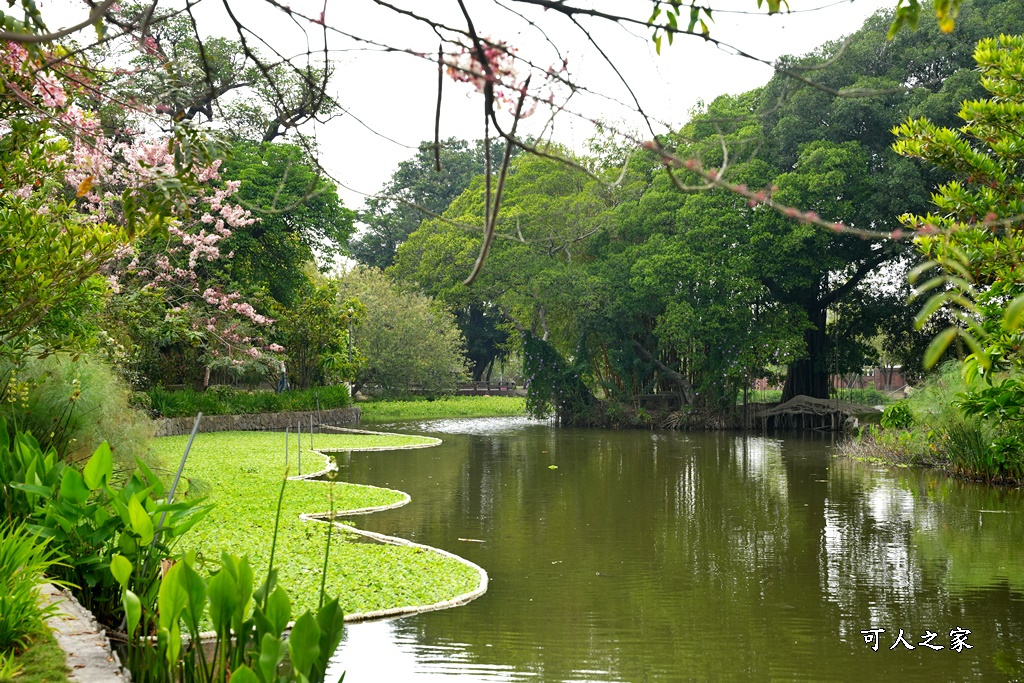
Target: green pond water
{"x": 663, "y": 556}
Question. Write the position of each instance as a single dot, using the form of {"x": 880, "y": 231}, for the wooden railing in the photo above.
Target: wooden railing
{"x": 489, "y": 389}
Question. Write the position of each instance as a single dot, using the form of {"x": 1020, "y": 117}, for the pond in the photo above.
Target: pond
{"x": 665, "y": 556}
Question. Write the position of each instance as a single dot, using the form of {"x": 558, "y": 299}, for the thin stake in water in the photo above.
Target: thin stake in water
{"x": 327, "y": 553}
{"x": 177, "y": 477}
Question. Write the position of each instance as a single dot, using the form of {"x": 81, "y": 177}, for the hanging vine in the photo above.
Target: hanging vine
{"x": 554, "y": 384}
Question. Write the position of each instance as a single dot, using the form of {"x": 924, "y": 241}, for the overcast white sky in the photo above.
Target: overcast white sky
{"x": 394, "y": 93}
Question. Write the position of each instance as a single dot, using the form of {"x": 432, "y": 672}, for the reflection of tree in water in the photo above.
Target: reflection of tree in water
{"x": 962, "y": 534}
{"x": 928, "y": 551}
{"x": 652, "y": 556}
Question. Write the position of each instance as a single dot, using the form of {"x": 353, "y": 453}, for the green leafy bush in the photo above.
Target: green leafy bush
{"x": 409, "y": 342}
{"x": 90, "y": 520}
{"x": 230, "y": 401}
{"x": 897, "y": 416}
{"x": 25, "y": 559}
{"x": 27, "y": 474}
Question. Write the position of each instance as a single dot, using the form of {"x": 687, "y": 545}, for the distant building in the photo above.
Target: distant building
{"x": 884, "y": 378}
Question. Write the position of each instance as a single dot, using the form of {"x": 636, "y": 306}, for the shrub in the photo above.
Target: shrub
{"x": 410, "y": 343}
{"x": 25, "y": 558}
{"x": 73, "y": 406}
{"x": 223, "y": 400}
{"x": 897, "y": 416}
{"x": 89, "y": 520}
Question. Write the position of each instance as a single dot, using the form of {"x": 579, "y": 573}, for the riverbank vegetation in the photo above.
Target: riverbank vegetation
{"x": 786, "y": 236}
{"x": 935, "y": 428}
{"x": 439, "y": 408}
{"x": 974, "y": 421}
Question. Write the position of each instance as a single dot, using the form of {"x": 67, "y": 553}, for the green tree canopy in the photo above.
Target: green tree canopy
{"x": 393, "y": 214}
{"x": 408, "y": 341}
{"x": 300, "y": 218}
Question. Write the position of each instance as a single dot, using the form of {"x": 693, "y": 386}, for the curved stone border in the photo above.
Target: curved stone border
{"x": 91, "y": 659}
{"x": 87, "y": 651}
{"x": 393, "y": 612}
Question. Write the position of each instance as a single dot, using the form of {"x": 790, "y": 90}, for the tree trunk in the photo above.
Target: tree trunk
{"x": 809, "y": 375}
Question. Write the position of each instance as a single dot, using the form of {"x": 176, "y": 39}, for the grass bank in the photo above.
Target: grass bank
{"x": 931, "y": 429}
{"x": 41, "y": 662}
{"x": 866, "y": 397}
{"x": 241, "y": 473}
{"x": 451, "y": 406}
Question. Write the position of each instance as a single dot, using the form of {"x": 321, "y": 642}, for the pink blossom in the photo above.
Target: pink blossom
{"x": 51, "y": 90}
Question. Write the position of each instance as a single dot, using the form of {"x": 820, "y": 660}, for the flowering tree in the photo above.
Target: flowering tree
{"x": 73, "y": 201}
{"x": 171, "y": 280}
{"x": 50, "y": 249}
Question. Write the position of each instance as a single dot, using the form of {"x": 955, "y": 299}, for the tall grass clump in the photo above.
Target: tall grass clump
{"x": 967, "y": 443}
{"x": 934, "y": 403}
{"x": 25, "y": 558}
{"x": 73, "y": 404}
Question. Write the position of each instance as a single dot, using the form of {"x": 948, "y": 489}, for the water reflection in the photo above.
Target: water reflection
{"x": 664, "y": 556}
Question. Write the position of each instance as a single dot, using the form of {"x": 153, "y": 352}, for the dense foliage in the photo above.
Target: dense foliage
{"x": 74, "y": 405}
{"x": 665, "y": 283}
{"x": 973, "y": 248}
{"x": 223, "y": 400}
{"x": 410, "y": 343}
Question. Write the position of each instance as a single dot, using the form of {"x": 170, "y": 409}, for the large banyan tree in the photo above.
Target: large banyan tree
{"x": 647, "y": 280}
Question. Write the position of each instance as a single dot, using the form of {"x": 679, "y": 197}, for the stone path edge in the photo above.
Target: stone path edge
{"x": 87, "y": 651}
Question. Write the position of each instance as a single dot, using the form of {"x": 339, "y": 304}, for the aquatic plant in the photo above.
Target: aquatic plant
{"x": 242, "y": 472}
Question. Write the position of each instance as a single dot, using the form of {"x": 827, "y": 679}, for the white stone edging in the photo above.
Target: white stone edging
{"x": 393, "y": 612}
{"x": 87, "y": 651}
